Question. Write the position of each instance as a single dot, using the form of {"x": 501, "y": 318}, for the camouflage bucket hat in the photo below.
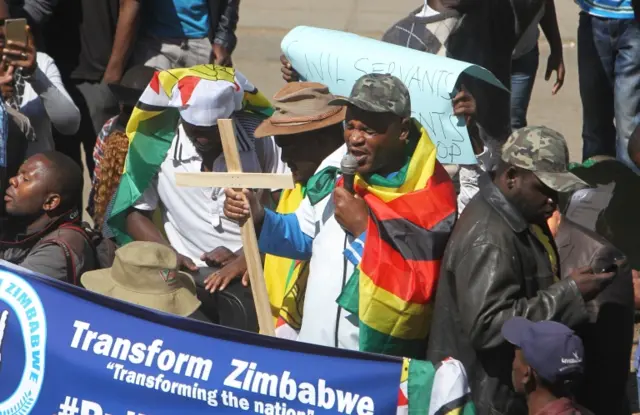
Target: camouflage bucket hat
{"x": 377, "y": 92}
{"x": 544, "y": 152}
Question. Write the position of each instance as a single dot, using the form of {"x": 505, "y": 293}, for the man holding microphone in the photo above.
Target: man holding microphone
{"x": 375, "y": 249}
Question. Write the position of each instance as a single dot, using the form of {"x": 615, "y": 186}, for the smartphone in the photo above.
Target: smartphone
{"x": 16, "y": 30}
{"x": 603, "y": 266}
{"x": 607, "y": 269}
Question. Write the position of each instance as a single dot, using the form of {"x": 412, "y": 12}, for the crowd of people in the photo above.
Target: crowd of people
{"x": 499, "y": 264}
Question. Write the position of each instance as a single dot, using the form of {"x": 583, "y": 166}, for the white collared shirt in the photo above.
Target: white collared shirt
{"x": 193, "y": 217}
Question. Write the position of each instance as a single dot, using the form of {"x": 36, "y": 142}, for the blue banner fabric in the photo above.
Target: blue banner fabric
{"x": 67, "y": 351}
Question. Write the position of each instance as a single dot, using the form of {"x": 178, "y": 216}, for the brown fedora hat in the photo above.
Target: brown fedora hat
{"x": 301, "y": 107}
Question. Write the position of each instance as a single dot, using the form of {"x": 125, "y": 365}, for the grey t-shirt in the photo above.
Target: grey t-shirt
{"x": 49, "y": 258}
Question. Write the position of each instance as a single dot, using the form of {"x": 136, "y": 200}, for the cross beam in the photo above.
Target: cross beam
{"x": 235, "y": 178}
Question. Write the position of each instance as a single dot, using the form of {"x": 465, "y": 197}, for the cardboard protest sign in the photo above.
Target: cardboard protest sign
{"x": 337, "y": 59}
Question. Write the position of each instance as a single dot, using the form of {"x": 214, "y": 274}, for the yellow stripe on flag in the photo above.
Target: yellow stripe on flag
{"x": 385, "y": 312}
{"x": 169, "y": 79}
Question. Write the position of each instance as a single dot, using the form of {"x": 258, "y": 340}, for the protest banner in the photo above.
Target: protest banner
{"x": 67, "y": 351}
{"x": 337, "y": 59}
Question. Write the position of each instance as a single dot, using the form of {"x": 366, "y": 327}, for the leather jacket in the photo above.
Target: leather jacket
{"x": 494, "y": 268}
{"x": 224, "y": 16}
{"x": 608, "y": 334}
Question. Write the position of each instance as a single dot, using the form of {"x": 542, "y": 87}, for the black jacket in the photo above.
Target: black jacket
{"x": 223, "y": 18}
{"x": 466, "y": 31}
{"x": 494, "y": 268}
{"x": 608, "y": 335}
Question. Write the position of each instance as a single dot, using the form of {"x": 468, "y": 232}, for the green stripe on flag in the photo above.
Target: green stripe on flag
{"x": 147, "y": 151}
{"x": 350, "y": 294}
{"x": 419, "y": 385}
{"x": 374, "y": 341}
{"x": 469, "y": 409}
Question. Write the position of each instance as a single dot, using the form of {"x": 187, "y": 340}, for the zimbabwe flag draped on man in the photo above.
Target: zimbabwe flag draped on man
{"x": 374, "y": 260}
{"x": 410, "y": 219}
{"x": 153, "y": 123}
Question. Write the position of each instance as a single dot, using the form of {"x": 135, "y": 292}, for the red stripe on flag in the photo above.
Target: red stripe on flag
{"x": 155, "y": 82}
{"x": 412, "y": 281}
{"x": 425, "y": 207}
{"x": 402, "y": 399}
{"x": 186, "y": 86}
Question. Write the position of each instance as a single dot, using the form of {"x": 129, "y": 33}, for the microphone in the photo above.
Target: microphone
{"x": 348, "y": 167}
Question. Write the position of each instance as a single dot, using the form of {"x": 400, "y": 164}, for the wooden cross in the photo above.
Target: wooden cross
{"x": 237, "y": 179}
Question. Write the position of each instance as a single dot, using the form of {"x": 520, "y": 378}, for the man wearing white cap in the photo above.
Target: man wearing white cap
{"x": 174, "y": 130}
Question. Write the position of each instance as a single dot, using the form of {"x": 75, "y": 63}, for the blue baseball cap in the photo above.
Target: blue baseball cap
{"x": 552, "y": 349}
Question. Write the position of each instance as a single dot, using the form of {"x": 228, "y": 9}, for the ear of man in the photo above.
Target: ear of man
{"x": 52, "y": 202}
{"x": 405, "y": 128}
{"x": 512, "y": 175}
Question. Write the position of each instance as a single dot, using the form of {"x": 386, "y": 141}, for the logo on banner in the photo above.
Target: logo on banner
{"x": 23, "y": 332}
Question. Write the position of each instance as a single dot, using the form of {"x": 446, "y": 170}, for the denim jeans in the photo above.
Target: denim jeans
{"x": 609, "y": 75}
{"x": 523, "y": 75}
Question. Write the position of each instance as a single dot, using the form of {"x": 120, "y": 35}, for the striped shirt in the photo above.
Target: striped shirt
{"x": 611, "y": 9}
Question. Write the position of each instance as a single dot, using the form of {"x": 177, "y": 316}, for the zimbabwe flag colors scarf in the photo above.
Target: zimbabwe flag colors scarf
{"x": 427, "y": 388}
{"x": 410, "y": 218}
{"x": 154, "y": 121}
{"x": 285, "y": 283}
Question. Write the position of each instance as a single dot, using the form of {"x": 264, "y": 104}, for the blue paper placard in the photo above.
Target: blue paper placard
{"x": 67, "y": 351}
{"x": 337, "y": 59}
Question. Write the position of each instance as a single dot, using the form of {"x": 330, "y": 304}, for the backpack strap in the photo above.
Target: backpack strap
{"x": 72, "y": 275}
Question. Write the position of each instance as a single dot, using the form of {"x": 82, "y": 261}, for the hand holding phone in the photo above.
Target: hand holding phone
{"x": 603, "y": 267}
{"x": 19, "y": 49}
{"x": 590, "y": 283}
{"x": 15, "y": 30}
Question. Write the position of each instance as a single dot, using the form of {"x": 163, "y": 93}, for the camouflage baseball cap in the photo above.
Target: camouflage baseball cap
{"x": 377, "y": 92}
{"x": 544, "y": 152}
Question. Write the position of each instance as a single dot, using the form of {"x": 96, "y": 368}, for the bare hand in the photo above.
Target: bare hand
{"x": 185, "y": 262}
{"x": 288, "y": 73}
{"x": 112, "y": 76}
{"x": 220, "y": 279}
{"x": 555, "y": 63}
{"x": 464, "y": 104}
{"x": 6, "y": 81}
{"x": 21, "y": 55}
{"x": 219, "y": 257}
{"x": 351, "y": 212}
{"x": 221, "y": 55}
{"x": 238, "y": 206}
{"x": 590, "y": 284}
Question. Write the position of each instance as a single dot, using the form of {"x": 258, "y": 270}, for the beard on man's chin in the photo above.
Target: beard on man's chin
{"x": 529, "y": 214}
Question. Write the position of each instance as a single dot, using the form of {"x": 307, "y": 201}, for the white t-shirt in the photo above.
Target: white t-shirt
{"x": 327, "y": 274}
{"x": 193, "y": 217}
